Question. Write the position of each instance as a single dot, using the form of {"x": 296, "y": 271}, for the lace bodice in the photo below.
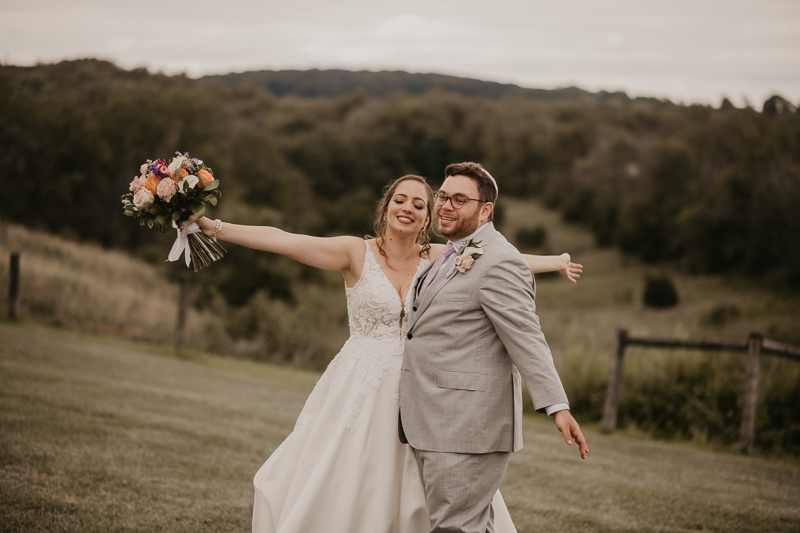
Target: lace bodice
{"x": 373, "y": 307}
{"x": 373, "y": 352}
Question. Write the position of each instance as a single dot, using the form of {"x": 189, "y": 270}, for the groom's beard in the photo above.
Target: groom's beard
{"x": 464, "y": 227}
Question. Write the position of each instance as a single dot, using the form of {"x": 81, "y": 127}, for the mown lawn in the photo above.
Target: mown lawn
{"x": 105, "y": 435}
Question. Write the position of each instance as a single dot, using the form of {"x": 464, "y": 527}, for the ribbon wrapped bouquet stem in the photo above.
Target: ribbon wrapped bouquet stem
{"x": 198, "y": 249}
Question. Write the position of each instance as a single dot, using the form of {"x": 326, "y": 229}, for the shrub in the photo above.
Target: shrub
{"x": 721, "y": 315}
{"x": 659, "y": 291}
{"x": 532, "y": 238}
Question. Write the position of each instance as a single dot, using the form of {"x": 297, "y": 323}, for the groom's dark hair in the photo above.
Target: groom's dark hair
{"x": 476, "y": 172}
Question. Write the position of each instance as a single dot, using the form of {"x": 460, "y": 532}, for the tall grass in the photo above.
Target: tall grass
{"x": 580, "y": 323}
{"x": 84, "y": 287}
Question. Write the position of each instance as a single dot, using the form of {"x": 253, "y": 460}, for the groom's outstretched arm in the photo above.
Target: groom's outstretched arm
{"x": 507, "y": 298}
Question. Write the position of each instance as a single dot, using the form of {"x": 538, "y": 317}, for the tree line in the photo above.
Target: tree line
{"x": 714, "y": 190}
{"x": 331, "y": 83}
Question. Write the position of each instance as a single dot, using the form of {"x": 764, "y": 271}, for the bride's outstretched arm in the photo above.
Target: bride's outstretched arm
{"x": 327, "y": 253}
{"x": 554, "y": 263}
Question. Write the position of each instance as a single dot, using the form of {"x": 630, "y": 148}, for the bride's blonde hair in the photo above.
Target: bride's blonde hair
{"x": 380, "y": 224}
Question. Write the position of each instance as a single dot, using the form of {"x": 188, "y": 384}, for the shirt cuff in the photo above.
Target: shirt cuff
{"x": 556, "y": 407}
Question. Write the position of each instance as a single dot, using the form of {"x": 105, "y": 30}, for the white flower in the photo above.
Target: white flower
{"x": 143, "y": 169}
{"x": 176, "y": 164}
{"x": 188, "y": 182}
{"x": 142, "y": 198}
{"x": 470, "y": 250}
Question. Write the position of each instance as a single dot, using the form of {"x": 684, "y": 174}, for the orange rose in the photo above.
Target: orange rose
{"x": 205, "y": 175}
{"x": 151, "y": 183}
{"x": 182, "y": 174}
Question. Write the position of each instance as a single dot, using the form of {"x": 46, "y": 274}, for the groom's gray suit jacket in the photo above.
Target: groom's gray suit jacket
{"x": 470, "y": 337}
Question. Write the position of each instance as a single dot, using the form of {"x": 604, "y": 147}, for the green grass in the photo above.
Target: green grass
{"x": 580, "y": 323}
{"x": 85, "y": 288}
{"x": 98, "y": 434}
{"x": 103, "y": 436}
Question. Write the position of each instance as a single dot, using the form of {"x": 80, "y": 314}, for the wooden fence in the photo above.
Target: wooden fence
{"x": 755, "y": 345}
{"x": 13, "y": 285}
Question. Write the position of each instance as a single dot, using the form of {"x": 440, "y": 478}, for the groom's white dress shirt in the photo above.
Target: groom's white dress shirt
{"x": 449, "y": 266}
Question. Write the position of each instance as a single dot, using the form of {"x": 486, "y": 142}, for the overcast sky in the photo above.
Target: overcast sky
{"x": 685, "y": 50}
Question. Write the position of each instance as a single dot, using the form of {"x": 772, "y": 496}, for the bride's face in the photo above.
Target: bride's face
{"x": 407, "y": 212}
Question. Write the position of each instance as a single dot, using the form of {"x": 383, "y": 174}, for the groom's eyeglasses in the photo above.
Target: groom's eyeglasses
{"x": 457, "y": 200}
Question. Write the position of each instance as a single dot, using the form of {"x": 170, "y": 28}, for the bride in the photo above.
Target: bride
{"x": 343, "y": 468}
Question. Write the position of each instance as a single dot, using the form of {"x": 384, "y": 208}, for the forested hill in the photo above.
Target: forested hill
{"x": 716, "y": 190}
{"x": 330, "y": 83}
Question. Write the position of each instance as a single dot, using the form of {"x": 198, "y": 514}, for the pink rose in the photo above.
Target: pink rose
{"x": 135, "y": 184}
{"x": 165, "y": 189}
{"x": 466, "y": 264}
{"x": 143, "y": 198}
{"x": 458, "y": 260}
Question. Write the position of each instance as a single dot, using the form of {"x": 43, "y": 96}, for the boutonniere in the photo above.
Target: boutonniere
{"x": 467, "y": 255}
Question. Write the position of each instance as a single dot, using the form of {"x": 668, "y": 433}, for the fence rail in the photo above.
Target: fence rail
{"x": 767, "y": 346}
{"x": 755, "y": 345}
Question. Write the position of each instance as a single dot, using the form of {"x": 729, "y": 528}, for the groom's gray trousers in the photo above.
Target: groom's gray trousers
{"x": 460, "y": 487}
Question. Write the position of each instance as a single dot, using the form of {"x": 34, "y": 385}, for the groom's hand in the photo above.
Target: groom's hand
{"x": 570, "y": 429}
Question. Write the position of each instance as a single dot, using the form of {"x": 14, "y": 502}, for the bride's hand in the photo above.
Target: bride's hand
{"x": 206, "y": 224}
{"x": 571, "y": 271}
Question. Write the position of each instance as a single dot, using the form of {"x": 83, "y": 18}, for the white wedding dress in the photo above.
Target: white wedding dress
{"x": 343, "y": 468}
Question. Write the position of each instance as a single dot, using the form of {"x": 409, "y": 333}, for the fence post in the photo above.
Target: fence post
{"x": 747, "y": 435}
{"x": 13, "y": 286}
{"x": 183, "y": 304}
{"x": 611, "y": 405}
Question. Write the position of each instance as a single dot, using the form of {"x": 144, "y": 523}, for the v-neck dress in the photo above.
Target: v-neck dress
{"x": 343, "y": 468}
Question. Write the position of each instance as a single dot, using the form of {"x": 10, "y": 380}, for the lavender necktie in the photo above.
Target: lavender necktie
{"x": 440, "y": 259}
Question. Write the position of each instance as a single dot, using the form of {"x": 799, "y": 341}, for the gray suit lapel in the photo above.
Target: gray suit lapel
{"x": 442, "y": 279}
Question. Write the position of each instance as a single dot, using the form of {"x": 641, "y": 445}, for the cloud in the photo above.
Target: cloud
{"x": 683, "y": 49}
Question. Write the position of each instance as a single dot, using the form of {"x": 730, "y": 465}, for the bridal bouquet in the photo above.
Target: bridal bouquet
{"x": 167, "y": 194}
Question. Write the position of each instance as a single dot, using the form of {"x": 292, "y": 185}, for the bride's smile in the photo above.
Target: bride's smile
{"x": 408, "y": 211}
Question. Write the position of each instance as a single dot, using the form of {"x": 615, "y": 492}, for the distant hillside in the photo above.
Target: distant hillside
{"x": 330, "y": 83}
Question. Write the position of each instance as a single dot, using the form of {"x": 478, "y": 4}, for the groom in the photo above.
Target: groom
{"x": 472, "y": 331}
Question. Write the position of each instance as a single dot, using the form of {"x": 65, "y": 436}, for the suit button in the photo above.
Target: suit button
{"x": 414, "y": 308}
{"x": 408, "y": 336}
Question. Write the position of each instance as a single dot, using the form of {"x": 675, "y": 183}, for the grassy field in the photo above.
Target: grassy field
{"x": 99, "y": 434}
{"x": 85, "y": 288}
{"x": 580, "y": 323}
